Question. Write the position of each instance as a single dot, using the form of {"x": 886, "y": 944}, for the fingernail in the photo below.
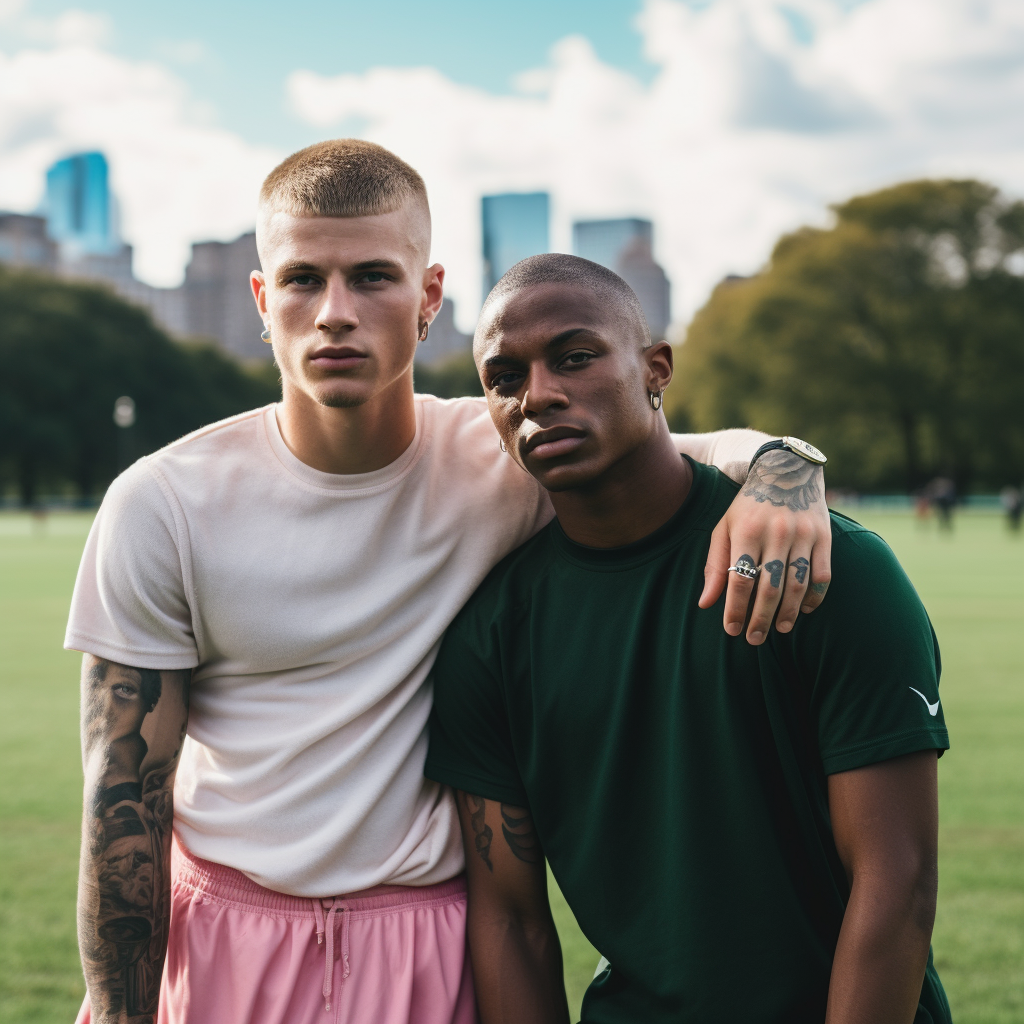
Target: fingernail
{"x": 784, "y": 627}
{"x": 733, "y": 628}
{"x": 756, "y": 638}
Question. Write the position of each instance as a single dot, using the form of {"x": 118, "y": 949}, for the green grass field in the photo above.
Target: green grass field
{"x": 972, "y": 583}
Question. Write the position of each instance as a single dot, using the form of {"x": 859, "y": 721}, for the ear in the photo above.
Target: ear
{"x": 659, "y": 366}
{"x": 258, "y": 283}
{"x": 433, "y": 292}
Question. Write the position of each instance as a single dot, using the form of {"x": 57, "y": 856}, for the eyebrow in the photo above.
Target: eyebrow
{"x": 301, "y": 266}
{"x": 558, "y": 339}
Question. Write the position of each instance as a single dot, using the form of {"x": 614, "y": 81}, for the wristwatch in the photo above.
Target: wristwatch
{"x": 790, "y": 444}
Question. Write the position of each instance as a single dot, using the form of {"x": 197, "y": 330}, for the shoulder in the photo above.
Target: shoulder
{"x": 858, "y": 553}
{"x": 215, "y": 438}
{"x": 509, "y": 586}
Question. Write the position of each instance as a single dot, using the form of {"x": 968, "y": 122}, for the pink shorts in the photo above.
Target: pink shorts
{"x": 242, "y": 954}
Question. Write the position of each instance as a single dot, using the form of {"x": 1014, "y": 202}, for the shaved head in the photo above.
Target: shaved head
{"x": 561, "y": 268}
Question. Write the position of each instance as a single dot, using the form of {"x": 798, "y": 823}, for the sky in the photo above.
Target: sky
{"x": 727, "y": 122}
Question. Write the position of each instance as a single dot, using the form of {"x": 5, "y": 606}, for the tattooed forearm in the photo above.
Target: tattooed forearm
{"x": 476, "y": 807}
{"x": 133, "y": 725}
{"x": 784, "y": 479}
{"x": 518, "y": 829}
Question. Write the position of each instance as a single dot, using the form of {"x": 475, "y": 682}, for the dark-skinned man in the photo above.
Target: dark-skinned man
{"x": 748, "y": 834}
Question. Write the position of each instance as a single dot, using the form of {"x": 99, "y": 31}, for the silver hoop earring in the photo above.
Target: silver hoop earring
{"x": 266, "y": 335}
{"x": 501, "y": 445}
{"x": 655, "y": 397}
{"x": 424, "y": 330}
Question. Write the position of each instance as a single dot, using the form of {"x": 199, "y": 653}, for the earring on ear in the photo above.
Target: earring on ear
{"x": 424, "y": 330}
{"x": 501, "y": 445}
{"x": 266, "y": 335}
{"x": 655, "y": 397}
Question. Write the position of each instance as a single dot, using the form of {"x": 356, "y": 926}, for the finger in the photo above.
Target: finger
{"x": 737, "y": 596}
{"x": 821, "y": 574}
{"x": 798, "y": 573}
{"x": 770, "y": 585}
{"x": 716, "y": 568}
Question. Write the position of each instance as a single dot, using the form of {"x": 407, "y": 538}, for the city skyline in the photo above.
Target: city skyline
{"x": 728, "y": 122}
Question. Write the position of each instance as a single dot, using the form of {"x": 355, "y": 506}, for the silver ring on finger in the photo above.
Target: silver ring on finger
{"x": 747, "y": 570}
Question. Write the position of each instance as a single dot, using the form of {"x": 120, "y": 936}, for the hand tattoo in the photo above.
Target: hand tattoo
{"x": 819, "y": 588}
{"x": 521, "y": 835}
{"x": 800, "y": 567}
{"x": 784, "y": 479}
{"x": 482, "y": 832}
{"x": 775, "y": 569}
{"x": 124, "y": 885}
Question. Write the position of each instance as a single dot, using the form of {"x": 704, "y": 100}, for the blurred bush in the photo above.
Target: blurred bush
{"x": 894, "y": 341}
{"x": 68, "y": 351}
{"x": 452, "y": 378}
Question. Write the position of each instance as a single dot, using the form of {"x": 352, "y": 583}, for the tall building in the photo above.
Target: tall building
{"x": 515, "y": 225}
{"x": 25, "y": 243}
{"x": 444, "y": 339}
{"x": 601, "y": 241}
{"x": 218, "y": 299}
{"x": 79, "y": 207}
{"x": 625, "y": 246}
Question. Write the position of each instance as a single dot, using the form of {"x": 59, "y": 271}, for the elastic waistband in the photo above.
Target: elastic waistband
{"x": 226, "y": 885}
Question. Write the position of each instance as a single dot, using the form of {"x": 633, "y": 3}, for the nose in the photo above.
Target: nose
{"x": 544, "y": 393}
{"x": 337, "y": 310}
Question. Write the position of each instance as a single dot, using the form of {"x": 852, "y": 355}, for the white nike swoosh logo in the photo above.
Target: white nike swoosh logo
{"x": 933, "y": 709}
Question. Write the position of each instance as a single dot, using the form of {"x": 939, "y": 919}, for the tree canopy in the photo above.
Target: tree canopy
{"x": 69, "y": 351}
{"x": 894, "y": 340}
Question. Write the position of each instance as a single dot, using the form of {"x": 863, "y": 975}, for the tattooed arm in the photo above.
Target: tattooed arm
{"x": 779, "y": 520}
{"x": 517, "y": 959}
{"x": 133, "y": 724}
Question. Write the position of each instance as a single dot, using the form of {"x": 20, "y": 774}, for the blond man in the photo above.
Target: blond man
{"x": 260, "y": 605}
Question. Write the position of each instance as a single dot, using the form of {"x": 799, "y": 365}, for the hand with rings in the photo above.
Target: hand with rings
{"x": 745, "y": 567}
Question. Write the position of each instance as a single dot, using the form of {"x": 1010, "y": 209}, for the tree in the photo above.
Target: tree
{"x": 68, "y": 352}
{"x": 894, "y": 340}
{"x": 454, "y": 377}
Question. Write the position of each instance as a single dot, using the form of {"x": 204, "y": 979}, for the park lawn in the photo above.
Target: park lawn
{"x": 972, "y": 583}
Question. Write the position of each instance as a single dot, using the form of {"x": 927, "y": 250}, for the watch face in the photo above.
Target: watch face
{"x": 808, "y": 451}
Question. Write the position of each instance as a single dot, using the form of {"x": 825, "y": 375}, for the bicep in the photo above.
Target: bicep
{"x": 133, "y": 719}
{"x": 885, "y": 816}
{"x": 504, "y": 859}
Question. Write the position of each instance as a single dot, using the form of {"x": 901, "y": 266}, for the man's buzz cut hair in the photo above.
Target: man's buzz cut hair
{"x": 341, "y": 178}
{"x": 561, "y": 268}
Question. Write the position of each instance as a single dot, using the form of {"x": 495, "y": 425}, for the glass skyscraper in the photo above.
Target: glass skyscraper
{"x": 515, "y": 225}
{"x": 603, "y": 241}
{"x": 78, "y": 204}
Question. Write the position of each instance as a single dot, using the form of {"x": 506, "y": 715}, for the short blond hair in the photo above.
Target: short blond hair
{"x": 341, "y": 178}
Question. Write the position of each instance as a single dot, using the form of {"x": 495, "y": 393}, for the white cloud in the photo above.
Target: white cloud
{"x": 178, "y": 178}
{"x": 759, "y": 116}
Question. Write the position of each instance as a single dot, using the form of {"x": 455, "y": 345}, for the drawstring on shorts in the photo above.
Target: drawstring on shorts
{"x": 327, "y": 927}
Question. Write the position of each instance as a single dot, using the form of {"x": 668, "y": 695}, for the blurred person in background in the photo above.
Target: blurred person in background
{"x": 748, "y": 834}
{"x": 262, "y": 602}
{"x": 1012, "y": 500}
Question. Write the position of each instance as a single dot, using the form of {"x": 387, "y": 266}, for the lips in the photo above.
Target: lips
{"x": 554, "y": 442}
{"x": 341, "y": 357}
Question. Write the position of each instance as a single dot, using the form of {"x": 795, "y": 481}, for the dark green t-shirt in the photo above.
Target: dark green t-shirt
{"x": 676, "y": 775}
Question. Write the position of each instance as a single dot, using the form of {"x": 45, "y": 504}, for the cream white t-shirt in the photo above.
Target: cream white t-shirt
{"x": 311, "y": 607}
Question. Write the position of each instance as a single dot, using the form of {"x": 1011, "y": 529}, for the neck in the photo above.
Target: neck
{"x": 637, "y": 495}
{"x": 358, "y": 439}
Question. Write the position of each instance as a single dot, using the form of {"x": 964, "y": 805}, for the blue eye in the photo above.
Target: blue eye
{"x": 302, "y": 280}
{"x": 373, "y": 277}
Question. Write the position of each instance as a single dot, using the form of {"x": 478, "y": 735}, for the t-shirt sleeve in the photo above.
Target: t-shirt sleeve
{"x": 872, "y": 659}
{"x": 470, "y": 739}
{"x": 130, "y": 603}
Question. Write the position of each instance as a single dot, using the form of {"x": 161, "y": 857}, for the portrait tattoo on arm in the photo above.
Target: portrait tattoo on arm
{"x": 124, "y": 883}
{"x": 476, "y": 807}
{"x": 784, "y": 479}
{"x": 521, "y": 835}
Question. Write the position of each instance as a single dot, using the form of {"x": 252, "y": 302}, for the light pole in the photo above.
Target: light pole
{"x": 124, "y": 417}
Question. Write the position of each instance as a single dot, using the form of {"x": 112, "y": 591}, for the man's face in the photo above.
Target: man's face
{"x": 566, "y": 379}
{"x": 344, "y": 298}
